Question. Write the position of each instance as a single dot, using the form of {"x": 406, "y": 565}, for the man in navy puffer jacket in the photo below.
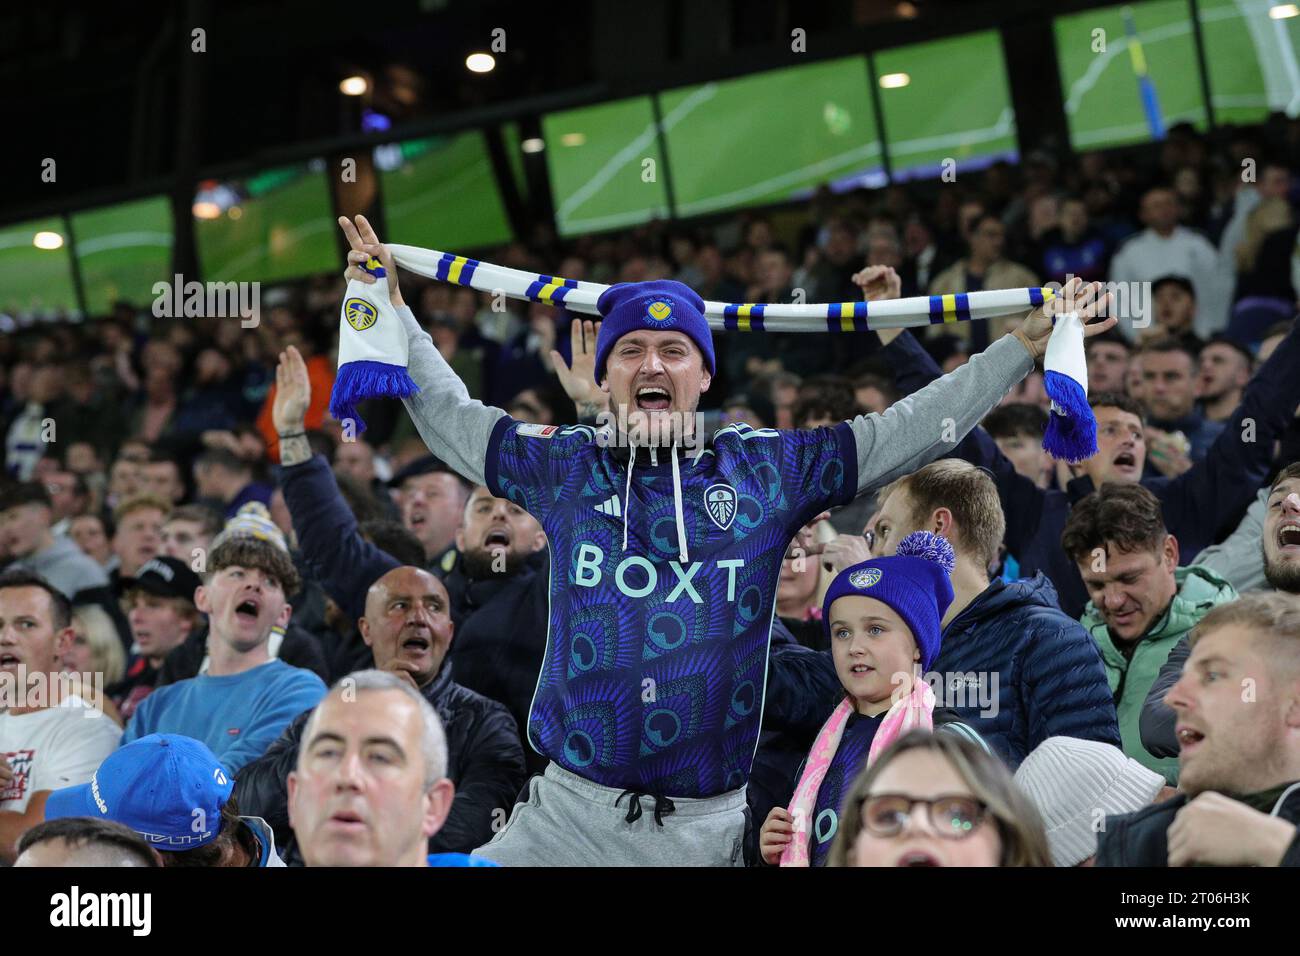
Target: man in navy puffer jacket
{"x": 1012, "y": 664}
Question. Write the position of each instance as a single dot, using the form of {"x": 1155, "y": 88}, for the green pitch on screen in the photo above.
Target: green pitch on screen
{"x": 1102, "y": 103}
{"x": 444, "y": 195}
{"x": 35, "y": 280}
{"x": 122, "y": 251}
{"x": 513, "y": 144}
{"x": 955, "y": 105}
{"x": 1252, "y": 60}
{"x": 596, "y": 158}
{"x": 769, "y": 137}
{"x": 287, "y": 231}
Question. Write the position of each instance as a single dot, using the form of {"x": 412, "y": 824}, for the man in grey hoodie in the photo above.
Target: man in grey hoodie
{"x": 652, "y": 686}
{"x": 26, "y": 529}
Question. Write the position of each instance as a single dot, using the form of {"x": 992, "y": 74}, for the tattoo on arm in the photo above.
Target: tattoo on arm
{"x": 294, "y": 451}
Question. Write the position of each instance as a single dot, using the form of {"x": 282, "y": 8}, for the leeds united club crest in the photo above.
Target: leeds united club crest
{"x": 360, "y": 314}
{"x": 864, "y": 578}
{"x": 720, "y": 503}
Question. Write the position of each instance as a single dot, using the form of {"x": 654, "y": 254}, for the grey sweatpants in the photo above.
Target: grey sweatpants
{"x": 570, "y": 821}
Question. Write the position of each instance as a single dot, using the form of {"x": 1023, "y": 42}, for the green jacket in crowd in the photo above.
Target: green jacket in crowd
{"x": 1199, "y": 589}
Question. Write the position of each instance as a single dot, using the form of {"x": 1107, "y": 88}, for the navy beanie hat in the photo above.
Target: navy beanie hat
{"x": 916, "y": 582}
{"x": 659, "y": 305}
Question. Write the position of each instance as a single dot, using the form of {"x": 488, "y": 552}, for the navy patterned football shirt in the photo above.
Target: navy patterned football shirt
{"x": 655, "y": 667}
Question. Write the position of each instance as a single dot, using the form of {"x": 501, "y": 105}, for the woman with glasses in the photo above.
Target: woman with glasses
{"x": 938, "y": 800}
{"x": 883, "y": 620}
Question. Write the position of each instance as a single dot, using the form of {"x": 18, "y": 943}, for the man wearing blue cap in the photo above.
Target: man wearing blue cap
{"x": 174, "y": 792}
{"x": 666, "y": 548}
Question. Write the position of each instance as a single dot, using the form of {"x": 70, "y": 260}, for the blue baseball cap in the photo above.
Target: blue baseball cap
{"x": 167, "y": 788}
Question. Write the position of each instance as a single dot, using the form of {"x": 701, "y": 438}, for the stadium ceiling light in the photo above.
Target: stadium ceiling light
{"x": 354, "y": 86}
{"x": 573, "y": 139}
{"x": 47, "y": 240}
{"x": 205, "y": 209}
{"x": 1283, "y": 11}
{"x": 906, "y": 11}
{"x": 480, "y": 62}
{"x": 533, "y": 145}
{"x": 892, "y": 81}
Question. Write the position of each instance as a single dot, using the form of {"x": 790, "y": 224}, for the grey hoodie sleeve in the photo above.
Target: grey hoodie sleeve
{"x": 454, "y": 426}
{"x": 1156, "y": 723}
{"x": 929, "y": 423}
{"x": 1239, "y": 558}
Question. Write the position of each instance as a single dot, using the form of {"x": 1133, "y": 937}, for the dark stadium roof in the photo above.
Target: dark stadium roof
{"x": 114, "y": 94}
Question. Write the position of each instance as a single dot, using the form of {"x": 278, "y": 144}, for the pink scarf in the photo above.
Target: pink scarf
{"x": 915, "y": 711}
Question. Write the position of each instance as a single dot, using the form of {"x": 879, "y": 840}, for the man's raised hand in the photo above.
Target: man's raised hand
{"x": 365, "y": 244}
{"x": 579, "y": 378}
{"x": 844, "y": 551}
{"x": 877, "y": 283}
{"x": 1086, "y": 299}
{"x": 292, "y": 393}
{"x": 805, "y": 541}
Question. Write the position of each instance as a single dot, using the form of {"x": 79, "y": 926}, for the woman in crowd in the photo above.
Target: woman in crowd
{"x": 938, "y": 800}
{"x": 96, "y": 649}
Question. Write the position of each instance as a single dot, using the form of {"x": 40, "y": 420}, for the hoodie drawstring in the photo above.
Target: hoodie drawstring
{"x": 677, "y": 507}
{"x": 627, "y": 495}
{"x": 682, "y": 553}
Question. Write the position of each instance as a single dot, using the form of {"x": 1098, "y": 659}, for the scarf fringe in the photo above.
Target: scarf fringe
{"x": 1071, "y": 427}
{"x": 362, "y": 380}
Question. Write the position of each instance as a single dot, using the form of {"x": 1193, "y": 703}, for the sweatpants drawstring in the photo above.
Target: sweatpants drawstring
{"x": 663, "y": 806}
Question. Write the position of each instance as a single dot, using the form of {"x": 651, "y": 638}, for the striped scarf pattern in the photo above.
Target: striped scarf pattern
{"x": 373, "y": 354}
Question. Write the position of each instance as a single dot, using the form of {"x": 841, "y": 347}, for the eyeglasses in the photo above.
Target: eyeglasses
{"x": 952, "y": 816}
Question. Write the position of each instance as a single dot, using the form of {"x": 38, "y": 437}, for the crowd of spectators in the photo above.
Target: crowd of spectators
{"x": 1103, "y": 616}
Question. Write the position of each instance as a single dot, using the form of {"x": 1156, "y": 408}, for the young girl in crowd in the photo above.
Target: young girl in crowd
{"x": 934, "y": 799}
{"x": 882, "y": 617}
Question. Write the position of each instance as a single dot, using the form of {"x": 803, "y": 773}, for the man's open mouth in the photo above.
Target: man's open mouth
{"x": 651, "y": 398}
{"x": 1188, "y": 736}
{"x": 248, "y": 609}
{"x": 1126, "y": 459}
{"x": 497, "y": 537}
{"x": 1288, "y": 536}
{"x": 9, "y": 660}
{"x": 417, "y": 642}
{"x": 861, "y": 669}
